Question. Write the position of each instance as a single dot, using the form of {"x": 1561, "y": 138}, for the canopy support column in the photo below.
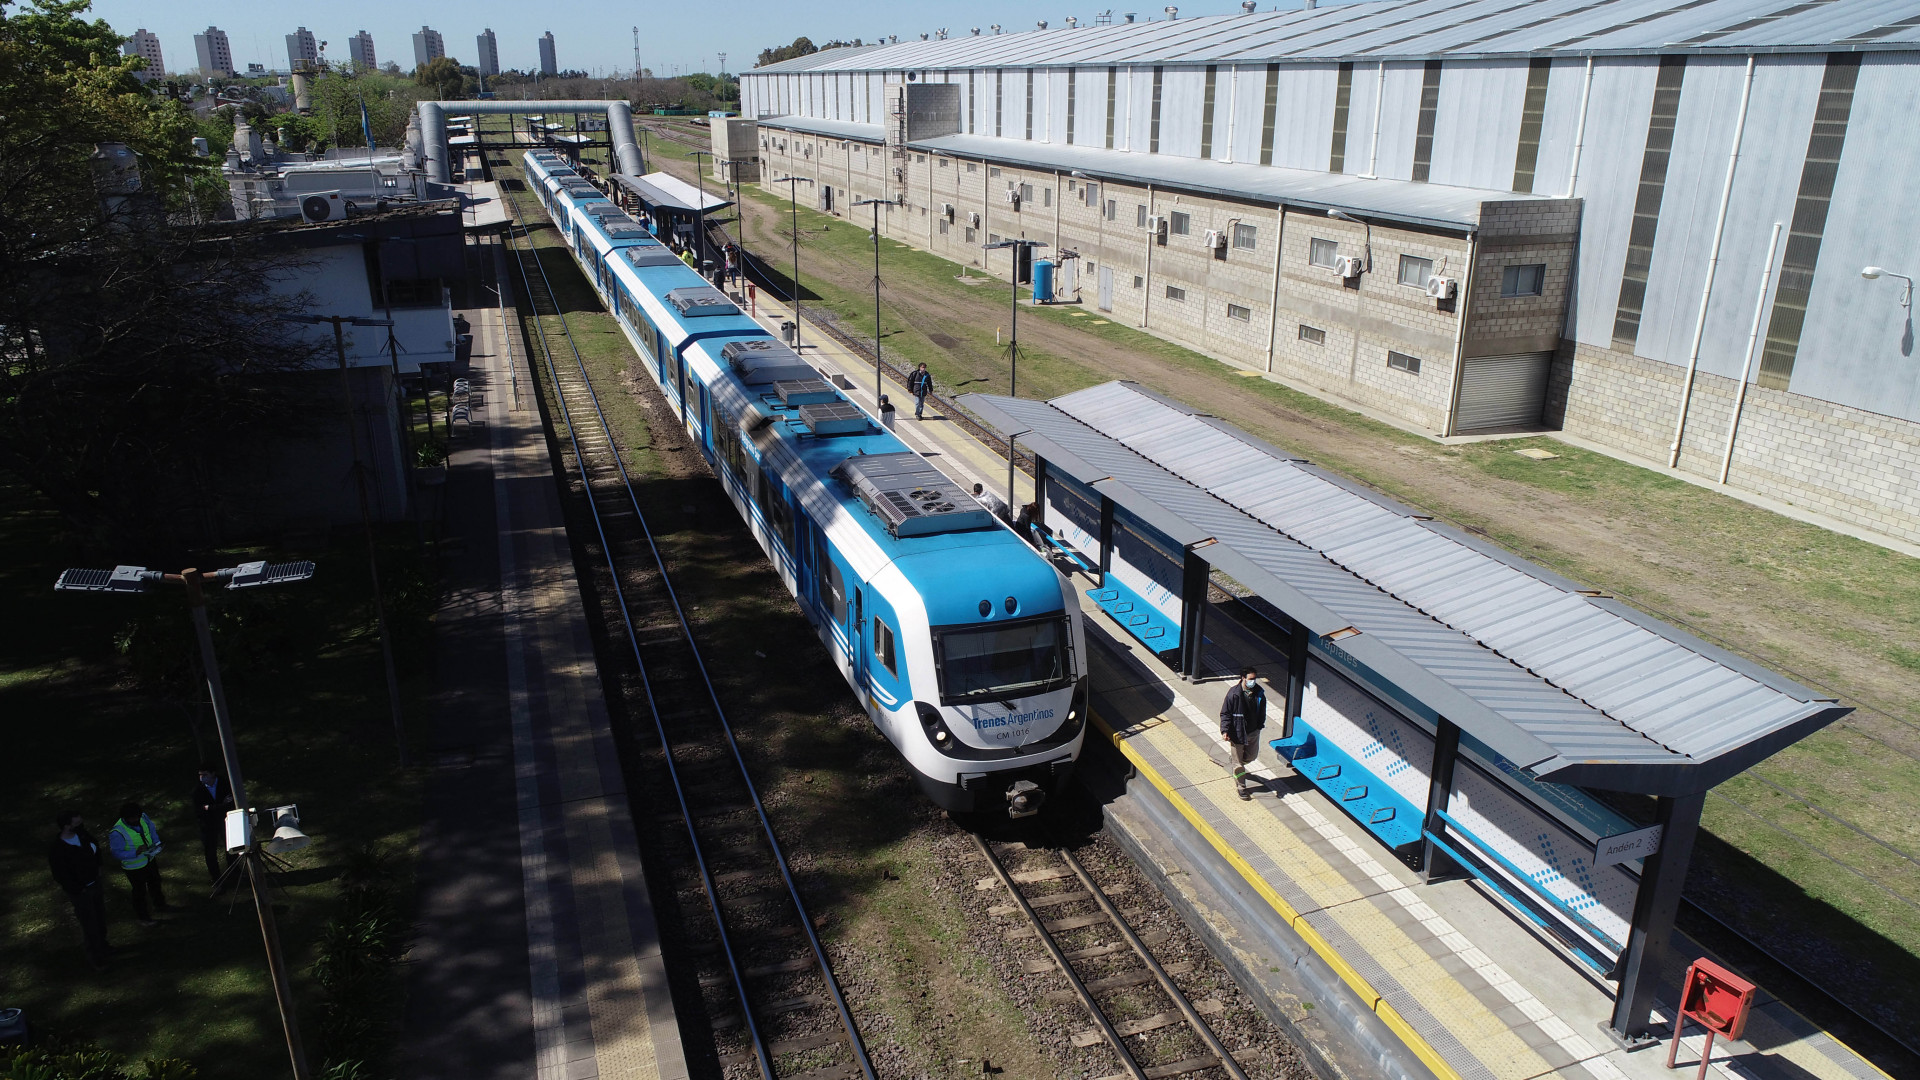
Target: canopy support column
{"x": 1299, "y": 641}
{"x": 1194, "y": 577}
{"x": 1106, "y": 539}
{"x": 1446, "y": 751}
{"x": 1661, "y": 879}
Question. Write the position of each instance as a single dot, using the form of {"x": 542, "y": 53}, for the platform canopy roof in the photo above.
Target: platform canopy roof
{"x": 662, "y": 191}
{"x": 1573, "y": 686}
{"x": 1383, "y": 30}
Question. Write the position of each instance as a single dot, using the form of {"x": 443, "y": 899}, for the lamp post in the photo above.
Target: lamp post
{"x": 1013, "y": 338}
{"x": 138, "y": 579}
{"x": 1906, "y": 295}
{"x": 793, "y": 196}
{"x": 1342, "y": 215}
{"x": 340, "y": 322}
{"x": 700, "y": 211}
{"x": 876, "y": 204}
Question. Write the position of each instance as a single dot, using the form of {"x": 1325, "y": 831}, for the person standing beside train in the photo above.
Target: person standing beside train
{"x": 1242, "y": 715}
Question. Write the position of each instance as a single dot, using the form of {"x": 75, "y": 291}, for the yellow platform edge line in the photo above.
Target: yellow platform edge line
{"x": 1368, "y": 995}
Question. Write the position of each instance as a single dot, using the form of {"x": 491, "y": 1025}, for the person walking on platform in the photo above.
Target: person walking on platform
{"x": 920, "y": 384}
{"x": 74, "y": 858}
{"x": 135, "y": 841}
{"x": 1242, "y": 715}
{"x": 211, "y": 800}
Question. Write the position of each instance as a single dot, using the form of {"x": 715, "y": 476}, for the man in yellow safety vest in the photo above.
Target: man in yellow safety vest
{"x": 135, "y": 841}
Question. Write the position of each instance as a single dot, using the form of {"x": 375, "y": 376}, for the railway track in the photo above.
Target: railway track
{"x": 1136, "y": 1008}
{"x": 765, "y": 980}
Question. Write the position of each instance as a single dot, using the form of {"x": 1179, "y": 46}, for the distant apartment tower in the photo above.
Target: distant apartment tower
{"x": 147, "y": 47}
{"x": 360, "y": 51}
{"x": 302, "y": 50}
{"x": 428, "y": 45}
{"x": 213, "y": 52}
{"x": 489, "y": 59}
{"x": 547, "y": 64}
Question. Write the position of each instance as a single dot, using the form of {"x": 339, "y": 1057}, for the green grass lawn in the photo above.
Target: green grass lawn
{"x": 305, "y": 683}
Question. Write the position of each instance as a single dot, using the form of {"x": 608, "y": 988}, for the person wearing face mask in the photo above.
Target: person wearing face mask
{"x": 1242, "y": 715}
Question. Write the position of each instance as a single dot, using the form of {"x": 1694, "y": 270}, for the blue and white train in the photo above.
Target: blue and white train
{"x": 963, "y": 644}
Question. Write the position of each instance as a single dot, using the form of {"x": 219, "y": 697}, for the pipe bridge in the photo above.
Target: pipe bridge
{"x": 433, "y": 128}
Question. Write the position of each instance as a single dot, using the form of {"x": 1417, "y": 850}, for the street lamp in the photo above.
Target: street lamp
{"x": 793, "y": 196}
{"x": 1013, "y": 339}
{"x": 1906, "y": 295}
{"x": 366, "y": 517}
{"x": 876, "y": 204}
{"x": 1342, "y": 215}
{"x": 138, "y": 579}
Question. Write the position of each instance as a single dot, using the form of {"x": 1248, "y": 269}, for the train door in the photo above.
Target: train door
{"x": 856, "y": 641}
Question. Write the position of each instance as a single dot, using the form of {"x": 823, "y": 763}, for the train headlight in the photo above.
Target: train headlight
{"x": 940, "y": 735}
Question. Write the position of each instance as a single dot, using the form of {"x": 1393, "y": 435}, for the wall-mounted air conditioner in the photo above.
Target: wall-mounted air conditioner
{"x": 1349, "y": 266}
{"x": 1157, "y": 225}
{"x": 1441, "y": 288}
{"x": 973, "y": 220}
{"x": 946, "y": 211}
{"x": 1216, "y": 239}
{"x": 1013, "y": 198}
{"x": 323, "y": 206}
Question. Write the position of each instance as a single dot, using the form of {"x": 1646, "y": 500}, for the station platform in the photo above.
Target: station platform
{"x": 1466, "y": 989}
{"x": 537, "y": 951}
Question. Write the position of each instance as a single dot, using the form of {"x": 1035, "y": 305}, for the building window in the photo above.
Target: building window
{"x": 1523, "y": 280}
{"x": 1342, "y": 101}
{"x": 1175, "y": 292}
{"x": 1046, "y": 196}
{"x": 1178, "y": 223}
{"x": 993, "y": 238}
{"x": 1235, "y": 311}
{"x": 972, "y": 166}
{"x": 1091, "y": 195}
{"x": 1026, "y": 193}
{"x": 1429, "y": 109}
{"x": 1415, "y": 270}
{"x": 969, "y": 236}
{"x": 944, "y": 163}
{"x": 1140, "y": 215}
{"x": 1646, "y": 207}
{"x": 943, "y": 226}
{"x": 1138, "y": 281}
{"x": 1272, "y": 109}
{"x": 1113, "y": 207}
{"x": 1246, "y": 236}
{"x": 1312, "y": 335}
{"x": 413, "y": 292}
{"x": 1323, "y": 252}
{"x": 993, "y": 172}
{"x": 1533, "y": 113}
{"x": 1400, "y": 361}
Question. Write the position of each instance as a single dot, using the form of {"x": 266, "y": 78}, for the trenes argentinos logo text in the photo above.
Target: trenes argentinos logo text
{"x": 986, "y": 723}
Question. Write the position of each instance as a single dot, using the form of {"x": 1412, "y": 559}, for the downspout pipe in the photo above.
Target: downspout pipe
{"x": 1753, "y": 343}
{"x": 1379, "y": 98}
{"x": 1713, "y": 264}
{"x": 1580, "y": 130}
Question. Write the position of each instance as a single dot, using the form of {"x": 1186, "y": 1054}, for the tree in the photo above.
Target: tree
{"x": 801, "y": 47}
{"x": 139, "y": 355}
{"x": 440, "y": 79}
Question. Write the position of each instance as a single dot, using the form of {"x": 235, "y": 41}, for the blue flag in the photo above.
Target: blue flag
{"x": 366, "y": 126}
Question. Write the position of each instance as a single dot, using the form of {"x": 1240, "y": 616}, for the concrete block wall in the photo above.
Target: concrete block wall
{"x": 1856, "y": 466}
{"x": 1520, "y": 233}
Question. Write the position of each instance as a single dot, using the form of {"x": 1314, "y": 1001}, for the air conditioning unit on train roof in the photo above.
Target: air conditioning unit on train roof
{"x": 911, "y": 496}
{"x": 701, "y": 300}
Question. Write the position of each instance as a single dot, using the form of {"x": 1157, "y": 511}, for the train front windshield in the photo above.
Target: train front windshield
{"x": 991, "y": 663}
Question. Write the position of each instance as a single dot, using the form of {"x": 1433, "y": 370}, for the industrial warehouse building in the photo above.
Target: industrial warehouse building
{"x": 1552, "y": 215}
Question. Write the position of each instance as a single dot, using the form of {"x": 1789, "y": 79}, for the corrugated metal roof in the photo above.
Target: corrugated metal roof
{"x": 1576, "y": 687}
{"x": 1413, "y": 29}
{"x": 832, "y": 129}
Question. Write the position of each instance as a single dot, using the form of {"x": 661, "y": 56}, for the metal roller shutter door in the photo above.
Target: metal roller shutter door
{"x": 1502, "y": 393}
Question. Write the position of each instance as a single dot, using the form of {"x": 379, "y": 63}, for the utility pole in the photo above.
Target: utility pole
{"x": 138, "y": 579}
{"x": 793, "y": 196}
{"x": 876, "y": 204}
{"x": 1013, "y": 339}
{"x": 366, "y": 516}
{"x": 700, "y": 211}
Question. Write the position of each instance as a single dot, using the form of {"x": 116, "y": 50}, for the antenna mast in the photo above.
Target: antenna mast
{"x": 636, "y": 54}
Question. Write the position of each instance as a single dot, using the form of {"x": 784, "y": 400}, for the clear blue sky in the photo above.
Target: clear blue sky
{"x": 682, "y": 36}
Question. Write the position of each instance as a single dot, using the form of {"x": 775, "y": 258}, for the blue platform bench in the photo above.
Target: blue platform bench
{"x": 1364, "y": 796}
{"x": 1136, "y": 616}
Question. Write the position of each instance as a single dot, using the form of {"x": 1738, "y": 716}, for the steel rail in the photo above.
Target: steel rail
{"x": 1060, "y": 960}
{"x": 1160, "y": 975}
{"x": 856, "y": 1044}
{"x": 633, "y": 639}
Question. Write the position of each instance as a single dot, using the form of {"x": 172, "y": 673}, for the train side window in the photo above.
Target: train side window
{"x": 883, "y": 646}
{"x": 775, "y": 509}
{"x": 832, "y": 587}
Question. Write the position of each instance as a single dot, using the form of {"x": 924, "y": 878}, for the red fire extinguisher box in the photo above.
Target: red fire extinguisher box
{"x": 1717, "y": 1000}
